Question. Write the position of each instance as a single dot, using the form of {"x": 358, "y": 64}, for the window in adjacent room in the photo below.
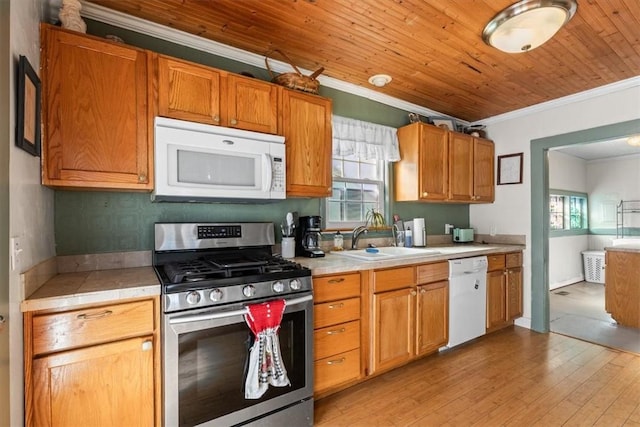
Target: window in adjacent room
{"x": 567, "y": 213}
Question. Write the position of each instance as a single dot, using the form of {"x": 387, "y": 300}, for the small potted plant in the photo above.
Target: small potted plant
{"x": 375, "y": 219}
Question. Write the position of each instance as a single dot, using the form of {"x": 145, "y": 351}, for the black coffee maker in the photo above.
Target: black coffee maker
{"x": 308, "y": 237}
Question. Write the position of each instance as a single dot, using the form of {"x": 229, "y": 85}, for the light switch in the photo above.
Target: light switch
{"x": 16, "y": 250}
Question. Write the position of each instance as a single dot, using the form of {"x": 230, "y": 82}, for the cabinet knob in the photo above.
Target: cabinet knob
{"x": 336, "y": 331}
{"x": 147, "y": 345}
{"x": 336, "y": 361}
{"x": 216, "y": 118}
{"x": 339, "y": 305}
{"x": 142, "y": 178}
{"x": 425, "y": 194}
{"x": 423, "y": 291}
{"x": 414, "y": 293}
{"x": 338, "y": 280}
{"x": 234, "y": 122}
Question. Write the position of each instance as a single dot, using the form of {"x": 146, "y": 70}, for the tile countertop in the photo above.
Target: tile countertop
{"x": 93, "y": 287}
{"x": 335, "y": 264}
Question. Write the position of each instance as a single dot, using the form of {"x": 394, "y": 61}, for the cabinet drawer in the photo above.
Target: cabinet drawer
{"x": 432, "y": 272}
{"x": 395, "y": 278}
{"x": 337, "y": 369}
{"x": 514, "y": 259}
{"x": 496, "y": 262}
{"x": 331, "y": 288}
{"x": 77, "y": 328}
{"x": 332, "y": 313}
{"x": 336, "y": 339}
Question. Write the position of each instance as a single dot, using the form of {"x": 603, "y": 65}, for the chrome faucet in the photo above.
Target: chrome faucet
{"x": 395, "y": 234}
{"x": 355, "y": 235}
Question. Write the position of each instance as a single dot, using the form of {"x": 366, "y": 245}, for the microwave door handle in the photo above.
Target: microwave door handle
{"x": 268, "y": 173}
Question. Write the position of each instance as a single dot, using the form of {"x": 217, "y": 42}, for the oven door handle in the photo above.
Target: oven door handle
{"x": 212, "y": 316}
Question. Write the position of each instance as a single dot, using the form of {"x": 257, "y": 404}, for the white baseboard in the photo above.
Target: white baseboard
{"x": 566, "y": 282}
{"x": 525, "y": 322}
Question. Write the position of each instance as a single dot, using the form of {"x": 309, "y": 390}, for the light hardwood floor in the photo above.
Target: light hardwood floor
{"x": 515, "y": 377}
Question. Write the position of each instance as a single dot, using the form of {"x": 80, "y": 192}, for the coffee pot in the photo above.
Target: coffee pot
{"x": 309, "y": 236}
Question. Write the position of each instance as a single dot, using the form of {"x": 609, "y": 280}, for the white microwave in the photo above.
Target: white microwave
{"x": 197, "y": 162}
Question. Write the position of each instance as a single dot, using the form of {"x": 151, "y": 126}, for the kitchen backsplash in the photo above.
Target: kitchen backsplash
{"x": 100, "y": 222}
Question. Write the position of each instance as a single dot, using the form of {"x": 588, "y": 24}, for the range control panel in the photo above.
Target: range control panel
{"x": 219, "y": 231}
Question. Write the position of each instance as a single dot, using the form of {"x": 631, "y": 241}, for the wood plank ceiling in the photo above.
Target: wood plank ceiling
{"x": 433, "y": 49}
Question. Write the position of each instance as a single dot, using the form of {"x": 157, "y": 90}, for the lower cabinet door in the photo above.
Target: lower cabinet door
{"x": 432, "y": 317}
{"x": 103, "y": 385}
{"x": 337, "y": 369}
{"x": 393, "y": 323}
{"x": 496, "y": 299}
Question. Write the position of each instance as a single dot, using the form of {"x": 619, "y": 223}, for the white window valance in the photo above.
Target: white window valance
{"x": 368, "y": 141}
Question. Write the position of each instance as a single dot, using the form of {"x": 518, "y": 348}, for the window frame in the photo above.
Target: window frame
{"x": 383, "y": 184}
{"x": 567, "y": 213}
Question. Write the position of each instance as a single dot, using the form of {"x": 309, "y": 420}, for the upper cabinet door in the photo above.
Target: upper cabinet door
{"x": 483, "y": 170}
{"x": 188, "y": 91}
{"x": 423, "y": 172}
{"x": 460, "y": 167}
{"x": 252, "y": 104}
{"x": 306, "y": 126}
{"x": 95, "y": 100}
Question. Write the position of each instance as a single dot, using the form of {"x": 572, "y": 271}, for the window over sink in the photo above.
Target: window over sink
{"x": 361, "y": 152}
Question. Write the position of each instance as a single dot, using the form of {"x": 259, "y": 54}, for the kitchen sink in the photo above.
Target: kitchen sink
{"x": 391, "y": 252}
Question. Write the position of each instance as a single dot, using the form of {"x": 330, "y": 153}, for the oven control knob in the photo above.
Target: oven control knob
{"x": 193, "y": 297}
{"x": 249, "y": 291}
{"x": 215, "y": 295}
{"x": 278, "y": 287}
{"x": 295, "y": 284}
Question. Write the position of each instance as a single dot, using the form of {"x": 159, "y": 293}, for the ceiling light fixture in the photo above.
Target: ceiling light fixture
{"x": 527, "y": 24}
{"x": 380, "y": 80}
{"x": 634, "y": 140}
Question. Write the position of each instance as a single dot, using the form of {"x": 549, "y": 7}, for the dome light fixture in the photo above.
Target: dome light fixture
{"x": 527, "y": 24}
{"x": 634, "y": 140}
{"x": 380, "y": 80}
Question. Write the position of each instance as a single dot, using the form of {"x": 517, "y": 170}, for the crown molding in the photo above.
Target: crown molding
{"x": 565, "y": 100}
{"x": 128, "y": 22}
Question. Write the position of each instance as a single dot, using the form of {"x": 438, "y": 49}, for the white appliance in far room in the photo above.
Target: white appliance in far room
{"x": 467, "y": 299}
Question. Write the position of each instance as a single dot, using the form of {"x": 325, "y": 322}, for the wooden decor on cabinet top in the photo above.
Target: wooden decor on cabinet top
{"x": 97, "y": 128}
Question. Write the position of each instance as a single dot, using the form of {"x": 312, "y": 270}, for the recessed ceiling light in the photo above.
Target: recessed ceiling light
{"x": 380, "y": 80}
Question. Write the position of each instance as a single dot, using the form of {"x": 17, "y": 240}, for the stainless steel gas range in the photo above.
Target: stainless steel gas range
{"x": 210, "y": 273}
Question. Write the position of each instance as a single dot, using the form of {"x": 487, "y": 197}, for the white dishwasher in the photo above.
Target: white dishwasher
{"x": 467, "y": 299}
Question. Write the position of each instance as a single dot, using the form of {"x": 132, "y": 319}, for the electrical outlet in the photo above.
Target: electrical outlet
{"x": 16, "y": 250}
{"x": 447, "y": 228}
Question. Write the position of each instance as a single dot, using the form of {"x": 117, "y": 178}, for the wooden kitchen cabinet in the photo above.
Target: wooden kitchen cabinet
{"x": 97, "y": 365}
{"x": 471, "y": 169}
{"x": 622, "y": 286}
{"x": 443, "y": 166}
{"x": 306, "y": 126}
{"x": 194, "y": 92}
{"x": 188, "y": 91}
{"x": 409, "y": 314}
{"x": 504, "y": 289}
{"x": 423, "y": 173}
{"x": 97, "y": 126}
{"x": 337, "y": 332}
{"x": 432, "y": 317}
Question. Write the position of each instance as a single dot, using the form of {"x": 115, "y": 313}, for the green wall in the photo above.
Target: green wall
{"x": 97, "y": 222}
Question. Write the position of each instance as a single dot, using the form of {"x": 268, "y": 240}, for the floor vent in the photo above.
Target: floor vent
{"x": 563, "y": 293}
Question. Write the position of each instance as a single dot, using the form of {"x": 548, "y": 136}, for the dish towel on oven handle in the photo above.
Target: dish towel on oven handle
{"x": 265, "y": 362}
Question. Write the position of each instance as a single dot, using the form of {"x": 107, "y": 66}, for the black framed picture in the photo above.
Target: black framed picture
{"x": 510, "y": 169}
{"x": 28, "y": 112}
